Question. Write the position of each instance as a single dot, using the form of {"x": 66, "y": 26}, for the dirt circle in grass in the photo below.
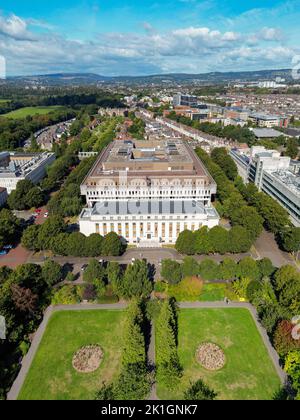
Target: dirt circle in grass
{"x": 87, "y": 359}
{"x": 210, "y": 356}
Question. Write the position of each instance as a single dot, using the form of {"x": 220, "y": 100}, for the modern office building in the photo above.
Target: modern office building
{"x": 273, "y": 174}
{"x": 185, "y": 100}
{"x": 148, "y": 192}
{"x": 15, "y": 167}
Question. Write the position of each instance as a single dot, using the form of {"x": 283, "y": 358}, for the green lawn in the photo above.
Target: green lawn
{"x": 213, "y": 292}
{"x": 249, "y": 372}
{"x": 52, "y": 376}
{"x": 30, "y": 111}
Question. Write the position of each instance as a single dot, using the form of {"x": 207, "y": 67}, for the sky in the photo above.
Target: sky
{"x": 142, "y": 37}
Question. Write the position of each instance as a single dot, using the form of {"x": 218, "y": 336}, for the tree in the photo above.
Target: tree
{"x": 9, "y": 227}
{"x": 132, "y": 384}
{"x": 168, "y": 366}
{"x": 76, "y": 244}
{"x": 112, "y": 245}
{"x": 48, "y": 230}
{"x": 219, "y": 238}
{"x": 51, "y": 273}
{"x": 34, "y": 198}
{"x": 199, "y": 391}
{"x": 292, "y": 368}
{"x": 266, "y": 267}
{"x": 290, "y": 240}
{"x": 30, "y": 238}
{"x": 185, "y": 243}
{"x": 220, "y": 157}
{"x": 114, "y": 275}
{"x": 94, "y": 271}
{"x": 136, "y": 281}
{"x": 249, "y": 218}
{"x": 240, "y": 287}
{"x": 209, "y": 270}
{"x": 202, "y": 241}
{"x": 24, "y": 299}
{"x": 89, "y": 292}
{"x": 67, "y": 295}
{"x": 134, "y": 340}
{"x": 190, "y": 267}
{"x": 171, "y": 271}
{"x": 248, "y": 268}
{"x": 239, "y": 239}
{"x": 283, "y": 338}
{"x": 287, "y": 286}
{"x": 228, "y": 269}
{"x": 292, "y": 148}
{"x": 93, "y": 245}
{"x": 17, "y": 198}
{"x": 105, "y": 393}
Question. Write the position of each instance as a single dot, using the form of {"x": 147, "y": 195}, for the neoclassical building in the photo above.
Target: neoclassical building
{"x": 148, "y": 192}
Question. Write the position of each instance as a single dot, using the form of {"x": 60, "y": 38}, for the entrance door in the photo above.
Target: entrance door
{"x": 149, "y": 236}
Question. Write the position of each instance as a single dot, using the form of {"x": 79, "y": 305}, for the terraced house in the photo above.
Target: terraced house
{"x": 148, "y": 192}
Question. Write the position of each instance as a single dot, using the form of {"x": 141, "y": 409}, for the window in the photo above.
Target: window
{"x": 104, "y": 229}
{"x": 97, "y": 228}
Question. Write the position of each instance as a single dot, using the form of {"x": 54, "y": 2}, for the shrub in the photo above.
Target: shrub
{"x": 160, "y": 287}
{"x": 171, "y": 271}
{"x": 189, "y": 289}
{"x": 283, "y": 339}
{"x": 67, "y": 295}
{"x": 209, "y": 270}
{"x": 199, "y": 391}
{"x": 190, "y": 267}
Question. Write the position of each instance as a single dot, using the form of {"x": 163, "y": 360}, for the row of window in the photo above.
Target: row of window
{"x": 145, "y": 229}
{"x": 205, "y": 193}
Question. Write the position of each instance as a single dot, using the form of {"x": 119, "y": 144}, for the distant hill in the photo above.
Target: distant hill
{"x": 91, "y": 79}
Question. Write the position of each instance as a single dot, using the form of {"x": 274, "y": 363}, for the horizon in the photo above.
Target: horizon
{"x": 134, "y": 39}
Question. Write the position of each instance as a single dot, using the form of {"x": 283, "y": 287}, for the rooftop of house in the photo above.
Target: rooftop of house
{"x": 157, "y": 158}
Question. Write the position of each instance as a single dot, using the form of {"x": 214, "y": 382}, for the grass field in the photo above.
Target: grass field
{"x": 52, "y": 376}
{"x": 30, "y": 111}
{"x": 213, "y": 292}
{"x": 249, "y": 372}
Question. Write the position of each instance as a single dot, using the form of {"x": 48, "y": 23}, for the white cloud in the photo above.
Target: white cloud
{"x": 191, "y": 49}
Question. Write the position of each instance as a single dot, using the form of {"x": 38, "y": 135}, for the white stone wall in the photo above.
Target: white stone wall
{"x": 152, "y": 229}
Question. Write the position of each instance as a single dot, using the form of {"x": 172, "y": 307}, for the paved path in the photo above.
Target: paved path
{"x": 272, "y": 352}
{"x": 27, "y": 360}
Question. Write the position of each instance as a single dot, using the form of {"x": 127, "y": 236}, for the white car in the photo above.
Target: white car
{"x": 46, "y": 215}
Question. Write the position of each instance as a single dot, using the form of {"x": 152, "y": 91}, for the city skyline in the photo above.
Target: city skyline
{"x": 187, "y": 36}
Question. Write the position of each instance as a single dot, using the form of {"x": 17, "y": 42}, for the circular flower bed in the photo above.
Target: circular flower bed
{"x": 87, "y": 359}
{"x": 210, "y": 356}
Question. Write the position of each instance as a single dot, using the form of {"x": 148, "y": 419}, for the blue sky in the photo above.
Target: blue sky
{"x": 143, "y": 37}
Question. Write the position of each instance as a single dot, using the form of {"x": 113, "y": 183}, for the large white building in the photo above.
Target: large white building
{"x": 148, "y": 192}
{"x": 273, "y": 174}
{"x": 15, "y": 167}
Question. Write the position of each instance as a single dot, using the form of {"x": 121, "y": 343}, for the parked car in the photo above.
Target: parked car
{"x": 3, "y": 252}
{"x": 8, "y": 247}
{"x": 38, "y": 211}
{"x": 84, "y": 267}
{"x": 46, "y": 215}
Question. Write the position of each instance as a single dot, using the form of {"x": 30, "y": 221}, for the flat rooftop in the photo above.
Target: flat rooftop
{"x": 148, "y": 159}
{"x": 148, "y": 207}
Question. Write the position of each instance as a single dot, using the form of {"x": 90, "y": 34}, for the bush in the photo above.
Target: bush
{"x": 199, "y": 391}
{"x": 171, "y": 271}
{"x": 209, "y": 270}
{"x": 283, "y": 339}
{"x": 190, "y": 267}
{"x": 67, "y": 295}
{"x": 185, "y": 243}
{"x": 160, "y": 287}
{"x": 189, "y": 289}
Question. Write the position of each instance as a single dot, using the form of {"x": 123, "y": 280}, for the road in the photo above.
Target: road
{"x": 20, "y": 255}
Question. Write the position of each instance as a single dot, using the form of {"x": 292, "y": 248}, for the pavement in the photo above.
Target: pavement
{"x": 266, "y": 247}
{"x": 19, "y": 255}
{"x": 27, "y": 360}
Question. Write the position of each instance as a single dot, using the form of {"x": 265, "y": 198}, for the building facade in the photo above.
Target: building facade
{"x": 148, "y": 192}
{"x": 185, "y": 100}
{"x": 20, "y": 166}
{"x": 273, "y": 174}
{"x": 3, "y": 196}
